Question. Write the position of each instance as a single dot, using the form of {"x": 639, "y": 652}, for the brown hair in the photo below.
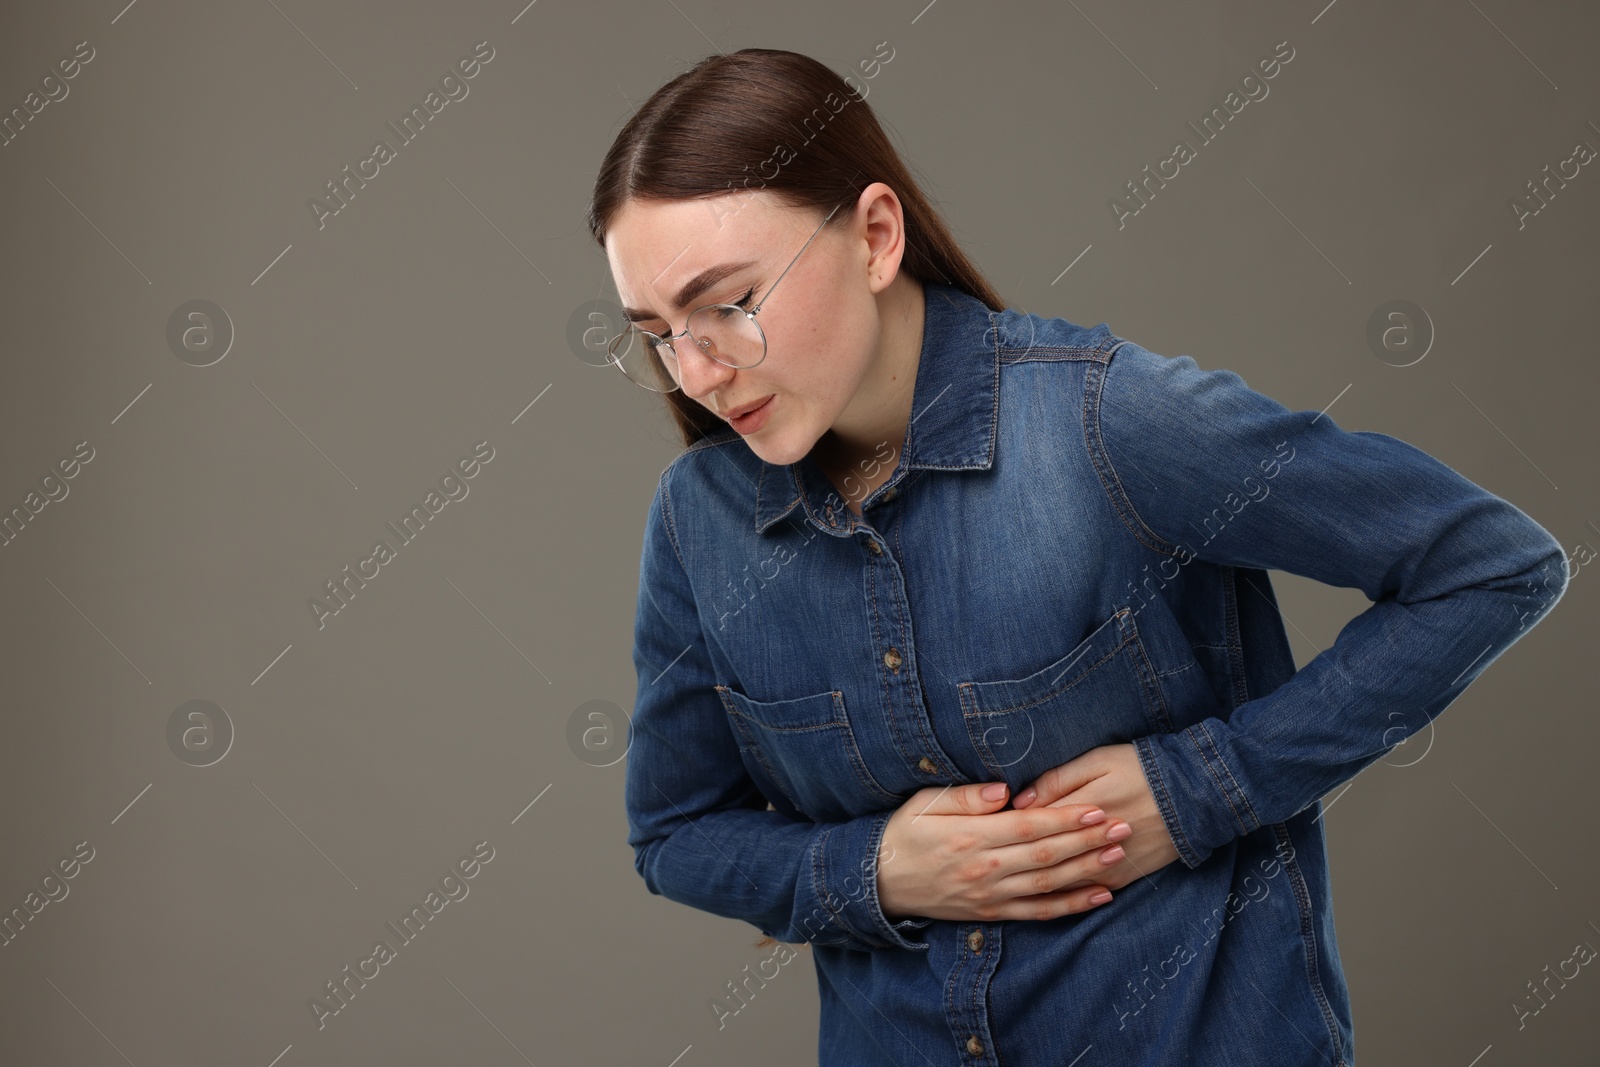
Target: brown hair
{"x": 715, "y": 127}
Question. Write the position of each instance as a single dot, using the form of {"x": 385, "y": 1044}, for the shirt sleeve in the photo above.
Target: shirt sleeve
{"x": 1198, "y": 465}
{"x": 698, "y": 824}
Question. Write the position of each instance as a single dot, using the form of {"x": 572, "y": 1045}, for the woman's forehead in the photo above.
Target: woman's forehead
{"x": 654, "y": 225}
{"x": 656, "y": 247}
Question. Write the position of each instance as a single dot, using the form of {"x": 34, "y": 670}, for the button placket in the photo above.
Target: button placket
{"x": 907, "y": 729}
{"x": 967, "y": 988}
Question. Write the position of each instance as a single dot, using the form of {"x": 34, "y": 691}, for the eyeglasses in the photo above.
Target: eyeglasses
{"x": 728, "y": 333}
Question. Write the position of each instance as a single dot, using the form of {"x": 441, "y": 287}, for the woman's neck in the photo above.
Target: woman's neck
{"x": 862, "y": 449}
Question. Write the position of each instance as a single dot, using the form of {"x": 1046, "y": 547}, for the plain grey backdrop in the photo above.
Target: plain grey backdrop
{"x": 230, "y": 459}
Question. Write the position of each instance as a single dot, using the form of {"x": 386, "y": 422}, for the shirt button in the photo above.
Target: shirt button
{"x": 891, "y": 659}
{"x": 974, "y": 1046}
{"x": 888, "y": 494}
{"x": 877, "y": 549}
{"x": 975, "y": 940}
{"x": 927, "y": 766}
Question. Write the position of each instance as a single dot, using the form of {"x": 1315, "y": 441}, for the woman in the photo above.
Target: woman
{"x": 952, "y": 618}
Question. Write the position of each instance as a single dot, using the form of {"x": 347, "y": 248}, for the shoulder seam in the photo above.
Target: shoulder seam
{"x": 1049, "y": 352}
{"x": 1110, "y": 481}
{"x": 1097, "y": 343}
{"x": 666, "y": 518}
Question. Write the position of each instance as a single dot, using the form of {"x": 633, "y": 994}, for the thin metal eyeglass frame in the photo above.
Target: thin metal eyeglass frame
{"x": 750, "y": 314}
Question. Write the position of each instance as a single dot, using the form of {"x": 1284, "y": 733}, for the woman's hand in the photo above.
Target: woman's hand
{"x": 1110, "y": 778}
{"x": 950, "y": 853}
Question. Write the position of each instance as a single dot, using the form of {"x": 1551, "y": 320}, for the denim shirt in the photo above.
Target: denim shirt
{"x": 1071, "y": 552}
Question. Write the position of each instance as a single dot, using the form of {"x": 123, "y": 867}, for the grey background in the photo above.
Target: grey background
{"x": 370, "y": 355}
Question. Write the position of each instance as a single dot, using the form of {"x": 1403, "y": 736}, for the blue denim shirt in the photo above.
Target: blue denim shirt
{"x": 1071, "y": 552}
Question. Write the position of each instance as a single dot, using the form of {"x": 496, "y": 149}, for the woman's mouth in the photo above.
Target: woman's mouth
{"x": 755, "y": 418}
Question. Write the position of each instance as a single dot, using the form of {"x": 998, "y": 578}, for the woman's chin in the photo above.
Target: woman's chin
{"x": 779, "y": 450}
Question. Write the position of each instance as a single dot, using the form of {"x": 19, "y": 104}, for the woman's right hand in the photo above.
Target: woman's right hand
{"x": 951, "y": 853}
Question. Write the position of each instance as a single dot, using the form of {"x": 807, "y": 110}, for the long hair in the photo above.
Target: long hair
{"x": 764, "y": 118}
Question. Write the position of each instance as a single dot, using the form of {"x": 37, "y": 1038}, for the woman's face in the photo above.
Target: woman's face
{"x": 822, "y": 323}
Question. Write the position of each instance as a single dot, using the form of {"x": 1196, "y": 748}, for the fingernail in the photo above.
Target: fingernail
{"x": 1112, "y": 854}
{"x": 1100, "y": 897}
{"x": 993, "y": 791}
{"x": 1118, "y": 831}
{"x": 1092, "y": 817}
{"x": 1026, "y": 796}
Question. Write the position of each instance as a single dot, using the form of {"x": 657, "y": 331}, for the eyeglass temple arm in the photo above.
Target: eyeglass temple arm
{"x": 793, "y": 261}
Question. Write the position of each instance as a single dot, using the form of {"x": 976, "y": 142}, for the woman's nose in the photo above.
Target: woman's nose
{"x": 698, "y": 373}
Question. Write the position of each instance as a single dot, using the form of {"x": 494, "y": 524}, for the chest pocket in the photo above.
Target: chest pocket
{"x": 1102, "y": 692}
{"x": 805, "y": 749}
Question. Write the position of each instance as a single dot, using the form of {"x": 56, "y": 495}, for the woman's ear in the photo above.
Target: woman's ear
{"x": 885, "y": 234}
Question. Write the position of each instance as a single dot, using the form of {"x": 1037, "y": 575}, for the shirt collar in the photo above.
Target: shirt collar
{"x": 955, "y": 407}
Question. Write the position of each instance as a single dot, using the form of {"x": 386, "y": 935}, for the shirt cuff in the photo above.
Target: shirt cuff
{"x": 844, "y": 879}
{"x": 1173, "y": 776}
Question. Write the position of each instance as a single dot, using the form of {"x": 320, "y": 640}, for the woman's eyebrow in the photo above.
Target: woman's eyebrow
{"x": 695, "y": 286}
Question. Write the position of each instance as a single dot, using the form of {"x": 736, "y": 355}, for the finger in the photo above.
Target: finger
{"x": 1106, "y": 866}
{"x": 1088, "y": 814}
{"x": 1002, "y": 829}
{"x": 957, "y": 799}
{"x": 1056, "y": 783}
{"x": 1054, "y": 905}
{"x": 1090, "y": 867}
{"x": 1046, "y": 865}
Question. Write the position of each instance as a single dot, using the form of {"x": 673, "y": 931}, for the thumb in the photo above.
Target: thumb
{"x": 962, "y": 799}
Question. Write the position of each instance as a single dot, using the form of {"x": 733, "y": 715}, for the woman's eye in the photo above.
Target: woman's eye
{"x": 744, "y": 300}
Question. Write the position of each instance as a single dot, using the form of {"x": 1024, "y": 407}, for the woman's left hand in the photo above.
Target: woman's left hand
{"x": 1110, "y": 778}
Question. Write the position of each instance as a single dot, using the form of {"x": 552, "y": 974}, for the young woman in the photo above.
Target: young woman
{"x": 952, "y": 618}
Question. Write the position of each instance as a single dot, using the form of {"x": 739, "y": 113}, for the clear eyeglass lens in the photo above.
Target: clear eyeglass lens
{"x": 728, "y": 333}
{"x": 723, "y": 331}
{"x": 634, "y": 351}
